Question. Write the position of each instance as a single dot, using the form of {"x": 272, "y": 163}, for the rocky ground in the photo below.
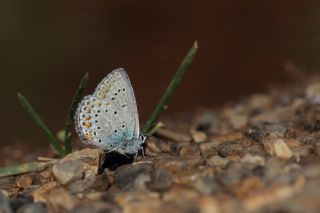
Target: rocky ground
{"x": 260, "y": 154}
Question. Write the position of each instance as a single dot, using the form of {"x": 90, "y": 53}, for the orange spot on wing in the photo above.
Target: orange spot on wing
{"x": 89, "y": 136}
{"x": 87, "y": 124}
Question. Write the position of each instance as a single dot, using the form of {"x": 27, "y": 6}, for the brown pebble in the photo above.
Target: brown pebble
{"x": 231, "y": 149}
{"x": 248, "y": 186}
{"x": 198, "y": 137}
{"x": 24, "y": 181}
{"x": 277, "y": 147}
{"x": 217, "y": 160}
{"x": 60, "y": 200}
{"x": 161, "y": 180}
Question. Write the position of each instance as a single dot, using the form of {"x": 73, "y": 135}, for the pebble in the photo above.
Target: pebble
{"x": 235, "y": 172}
{"x": 278, "y": 115}
{"x": 36, "y": 207}
{"x": 277, "y": 147}
{"x": 248, "y": 186}
{"x": 78, "y": 169}
{"x": 67, "y": 171}
{"x": 257, "y": 150}
{"x": 217, "y": 160}
{"x": 138, "y": 201}
{"x": 231, "y": 149}
{"x": 4, "y": 203}
{"x": 272, "y": 195}
{"x": 161, "y": 180}
{"x": 60, "y": 200}
{"x": 273, "y": 171}
{"x": 312, "y": 93}
{"x": 259, "y": 101}
{"x": 24, "y": 181}
{"x": 161, "y": 146}
{"x": 18, "y": 202}
{"x": 177, "y": 164}
{"x": 99, "y": 207}
{"x": 207, "y": 185}
{"x": 254, "y": 159}
{"x": 237, "y": 120}
{"x": 41, "y": 194}
{"x": 188, "y": 150}
{"x": 128, "y": 177}
{"x": 198, "y": 136}
{"x": 301, "y": 151}
{"x": 91, "y": 181}
{"x": 179, "y": 192}
{"x": 312, "y": 171}
{"x": 210, "y": 205}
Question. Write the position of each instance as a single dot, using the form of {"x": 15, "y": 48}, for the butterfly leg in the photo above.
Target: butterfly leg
{"x": 135, "y": 158}
{"x": 102, "y": 158}
{"x": 143, "y": 152}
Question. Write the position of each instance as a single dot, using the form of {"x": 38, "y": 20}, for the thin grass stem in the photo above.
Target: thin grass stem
{"x": 170, "y": 89}
{"x": 38, "y": 121}
{"x": 71, "y": 112}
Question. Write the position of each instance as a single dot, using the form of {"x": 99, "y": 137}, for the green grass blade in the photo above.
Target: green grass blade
{"x": 22, "y": 168}
{"x": 171, "y": 88}
{"x": 72, "y": 110}
{"x": 38, "y": 121}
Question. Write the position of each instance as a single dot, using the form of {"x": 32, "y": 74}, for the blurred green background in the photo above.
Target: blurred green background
{"x": 47, "y": 46}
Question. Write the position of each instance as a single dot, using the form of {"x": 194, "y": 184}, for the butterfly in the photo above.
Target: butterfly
{"x": 108, "y": 119}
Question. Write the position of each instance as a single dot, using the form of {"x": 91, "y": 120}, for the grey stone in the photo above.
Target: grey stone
{"x": 4, "y": 203}
{"x": 161, "y": 180}
{"x": 68, "y": 171}
{"x": 37, "y": 207}
{"x": 126, "y": 176}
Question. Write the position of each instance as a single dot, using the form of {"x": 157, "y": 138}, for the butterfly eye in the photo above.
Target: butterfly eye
{"x": 142, "y": 137}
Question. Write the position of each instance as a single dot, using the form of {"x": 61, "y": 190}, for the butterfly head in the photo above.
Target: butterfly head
{"x": 142, "y": 138}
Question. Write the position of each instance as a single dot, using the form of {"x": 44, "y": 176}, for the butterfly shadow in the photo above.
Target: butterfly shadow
{"x": 113, "y": 160}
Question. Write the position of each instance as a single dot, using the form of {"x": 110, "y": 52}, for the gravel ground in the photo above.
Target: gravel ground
{"x": 259, "y": 154}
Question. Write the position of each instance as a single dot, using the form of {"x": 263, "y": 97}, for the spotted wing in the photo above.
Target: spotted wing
{"x": 109, "y": 117}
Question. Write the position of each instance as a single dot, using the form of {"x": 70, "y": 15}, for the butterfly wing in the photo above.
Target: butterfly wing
{"x": 109, "y": 117}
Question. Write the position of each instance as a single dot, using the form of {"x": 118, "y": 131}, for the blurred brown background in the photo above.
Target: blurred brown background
{"x": 47, "y": 46}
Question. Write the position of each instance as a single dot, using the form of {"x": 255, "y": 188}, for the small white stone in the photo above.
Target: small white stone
{"x": 216, "y": 160}
{"x": 198, "y": 136}
{"x": 254, "y": 159}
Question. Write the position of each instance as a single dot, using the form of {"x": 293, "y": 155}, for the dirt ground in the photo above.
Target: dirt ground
{"x": 258, "y": 154}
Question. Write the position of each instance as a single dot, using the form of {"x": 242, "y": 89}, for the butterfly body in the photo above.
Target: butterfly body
{"x": 108, "y": 118}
